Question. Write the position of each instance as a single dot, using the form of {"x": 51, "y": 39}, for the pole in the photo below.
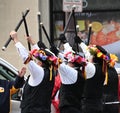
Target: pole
{"x": 26, "y": 29}
{"x": 77, "y": 47}
{"x": 66, "y": 26}
{"x": 69, "y": 18}
{"x": 39, "y": 27}
{"x": 16, "y": 29}
{"x": 51, "y": 44}
{"x": 89, "y": 33}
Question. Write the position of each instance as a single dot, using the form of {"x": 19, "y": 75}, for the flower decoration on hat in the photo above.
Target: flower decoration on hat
{"x": 113, "y": 59}
{"x": 95, "y": 51}
{"x": 41, "y": 55}
{"x": 108, "y": 59}
{"x": 50, "y": 60}
{"x": 77, "y": 60}
{"x": 38, "y": 54}
{"x": 74, "y": 58}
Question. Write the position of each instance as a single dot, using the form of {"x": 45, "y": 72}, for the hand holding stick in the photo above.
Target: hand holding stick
{"x": 16, "y": 29}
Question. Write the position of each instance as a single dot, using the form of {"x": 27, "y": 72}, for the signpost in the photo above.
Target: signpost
{"x": 68, "y": 4}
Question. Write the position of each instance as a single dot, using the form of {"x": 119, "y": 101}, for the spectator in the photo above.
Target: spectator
{"x": 7, "y": 88}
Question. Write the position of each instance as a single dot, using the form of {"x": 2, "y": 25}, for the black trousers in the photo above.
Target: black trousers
{"x": 111, "y": 108}
{"x": 92, "y": 106}
{"x": 70, "y": 109}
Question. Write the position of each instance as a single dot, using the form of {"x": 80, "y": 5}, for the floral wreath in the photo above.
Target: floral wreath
{"x": 109, "y": 60}
{"x": 41, "y": 55}
{"x": 73, "y": 57}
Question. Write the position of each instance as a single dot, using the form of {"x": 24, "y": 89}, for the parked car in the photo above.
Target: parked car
{"x": 9, "y": 72}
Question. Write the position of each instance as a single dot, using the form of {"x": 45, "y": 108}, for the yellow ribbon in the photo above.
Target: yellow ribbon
{"x": 106, "y": 78}
{"x": 51, "y": 67}
{"x": 105, "y": 70}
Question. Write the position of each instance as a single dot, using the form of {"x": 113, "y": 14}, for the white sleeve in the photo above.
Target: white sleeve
{"x": 67, "y": 48}
{"x": 22, "y": 51}
{"x": 90, "y": 70}
{"x": 118, "y": 70}
{"x": 85, "y": 51}
{"x": 35, "y": 46}
{"x": 61, "y": 56}
{"x": 37, "y": 73}
{"x": 68, "y": 74}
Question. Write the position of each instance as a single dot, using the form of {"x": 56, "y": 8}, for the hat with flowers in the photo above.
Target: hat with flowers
{"x": 75, "y": 58}
{"x": 45, "y": 57}
{"x": 107, "y": 59}
{"x": 101, "y": 53}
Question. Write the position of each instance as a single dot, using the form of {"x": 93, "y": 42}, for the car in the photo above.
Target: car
{"x": 9, "y": 72}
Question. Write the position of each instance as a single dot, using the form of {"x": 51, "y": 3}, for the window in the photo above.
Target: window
{"x": 6, "y": 73}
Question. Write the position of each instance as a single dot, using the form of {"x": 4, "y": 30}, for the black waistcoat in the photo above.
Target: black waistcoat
{"x": 38, "y": 99}
{"x": 94, "y": 86}
{"x": 70, "y": 95}
{"x": 111, "y": 89}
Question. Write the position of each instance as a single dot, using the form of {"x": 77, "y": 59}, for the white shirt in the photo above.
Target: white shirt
{"x": 85, "y": 51}
{"x": 68, "y": 74}
{"x": 36, "y": 72}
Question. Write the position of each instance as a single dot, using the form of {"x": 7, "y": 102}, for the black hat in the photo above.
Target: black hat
{"x": 41, "y": 45}
{"x": 99, "y": 53}
{"x": 101, "y": 49}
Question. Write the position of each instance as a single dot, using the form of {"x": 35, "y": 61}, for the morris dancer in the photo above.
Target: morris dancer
{"x": 38, "y": 88}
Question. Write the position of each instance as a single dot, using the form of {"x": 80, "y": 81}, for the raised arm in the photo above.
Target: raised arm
{"x": 19, "y": 82}
{"x": 36, "y": 71}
